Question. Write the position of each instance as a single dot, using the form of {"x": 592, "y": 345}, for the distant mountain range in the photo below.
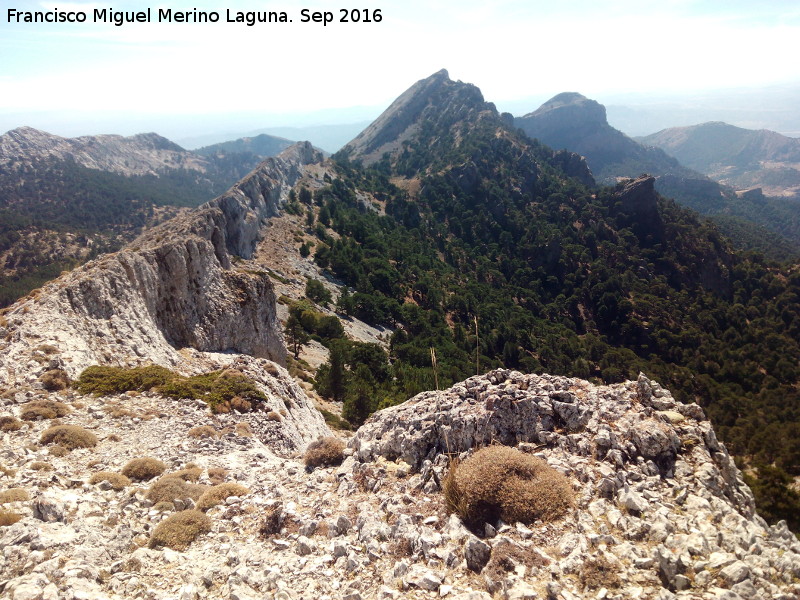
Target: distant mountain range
{"x": 740, "y": 158}
{"x": 752, "y": 221}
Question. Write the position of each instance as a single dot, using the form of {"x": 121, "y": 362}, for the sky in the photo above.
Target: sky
{"x": 184, "y": 78}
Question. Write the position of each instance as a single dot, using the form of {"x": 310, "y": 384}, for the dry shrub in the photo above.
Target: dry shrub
{"x": 598, "y": 573}
{"x": 241, "y": 404}
{"x": 14, "y": 495}
{"x": 243, "y": 430}
{"x": 169, "y": 489}
{"x": 273, "y": 416}
{"x": 45, "y": 409}
{"x": 272, "y": 369}
{"x": 70, "y": 437}
{"x": 178, "y": 531}
{"x": 114, "y": 438}
{"x": 117, "y": 481}
{"x": 506, "y": 556}
{"x": 273, "y": 521}
{"x": 217, "y": 475}
{"x": 498, "y": 482}
{"x": 58, "y": 451}
{"x": 55, "y": 380}
{"x": 117, "y": 411}
{"x": 9, "y": 423}
{"x": 40, "y": 466}
{"x": 204, "y": 431}
{"x": 8, "y": 518}
{"x": 6, "y": 471}
{"x": 326, "y": 451}
{"x": 143, "y": 469}
{"x": 219, "y": 493}
{"x": 164, "y": 506}
{"x": 190, "y": 472}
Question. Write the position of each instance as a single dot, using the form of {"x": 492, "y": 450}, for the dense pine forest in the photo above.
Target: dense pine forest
{"x": 495, "y": 257}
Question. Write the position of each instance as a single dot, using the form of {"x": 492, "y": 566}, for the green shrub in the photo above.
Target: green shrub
{"x": 9, "y": 423}
{"x": 143, "y": 469}
{"x": 178, "y": 531}
{"x": 117, "y": 481}
{"x": 498, "y": 482}
{"x": 217, "y": 388}
{"x": 217, "y": 495}
{"x": 326, "y": 451}
{"x": 335, "y": 421}
{"x": 69, "y": 437}
{"x": 45, "y": 409}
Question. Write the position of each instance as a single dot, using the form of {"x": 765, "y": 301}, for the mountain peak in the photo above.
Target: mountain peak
{"x": 437, "y": 100}
{"x": 572, "y": 110}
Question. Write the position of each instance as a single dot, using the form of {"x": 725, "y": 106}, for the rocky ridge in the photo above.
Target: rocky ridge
{"x": 661, "y": 510}
{"x": 176, "y": 286}
{"x": 145, "y": 153}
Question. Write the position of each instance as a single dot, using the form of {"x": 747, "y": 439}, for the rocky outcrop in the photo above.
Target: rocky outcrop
{"x": 575, "y": 166}
{"x": 146, "y": 153}
{"x": 660, "y": 501}
{"x": 436, "y": 101}
{"x": 175, "y": 286}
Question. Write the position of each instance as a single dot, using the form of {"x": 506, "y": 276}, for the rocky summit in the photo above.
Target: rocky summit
{"x": 660, "y": 509}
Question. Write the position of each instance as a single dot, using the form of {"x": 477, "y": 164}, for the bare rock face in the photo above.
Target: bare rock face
{"x": 145, "y": 153}
{"x": 174, "y": 287}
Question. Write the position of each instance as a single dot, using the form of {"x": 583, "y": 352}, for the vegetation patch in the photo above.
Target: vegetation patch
{"x": 498, "y": 482}
{"x": 69, "y": 437}
{"x": 14, "y": 495}
{"x": 55, "y": 380}
{"x": 118, "y": 481}
{"x": 178, "y": 531}
{"x": 10, "y": 423}
{"x": 40, "y": 466}
{"x": 217, "y": 475}
{"x": 170, "y": 489}
{"x": 143, "y": 469}
{"x": 44, "y": 409}
{"x": 219, "y": 493}
{"x": 324, "y": 452}
{"x": 273, "y": 521}
{"x": 204, "y": 431}
{"x": 334, "y": 421}
{"x": 598, "y": 572}
{"x": 8, "y": 518}
{"x": 217, "y": 389}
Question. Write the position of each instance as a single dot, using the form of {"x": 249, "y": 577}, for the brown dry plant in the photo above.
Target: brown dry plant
{"x": 218, "y": 494}
{"x": 143, "y": 469}
{"x": 118, "y": 482}
{"x": 70, "y": 437}
{"x": 324, "y": 452}
{"x": 178, "y": 531}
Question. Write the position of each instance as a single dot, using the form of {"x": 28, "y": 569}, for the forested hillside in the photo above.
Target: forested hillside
{"x": 478, "y": 246}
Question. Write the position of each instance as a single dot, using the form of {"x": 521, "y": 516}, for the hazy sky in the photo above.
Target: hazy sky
{"x": 63, "y": 74}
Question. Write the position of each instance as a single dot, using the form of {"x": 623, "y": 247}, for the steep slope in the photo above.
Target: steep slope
{"x": 174, "y": 287}
{"x": 740, "y": 158}
{"x": 574, "y": 122}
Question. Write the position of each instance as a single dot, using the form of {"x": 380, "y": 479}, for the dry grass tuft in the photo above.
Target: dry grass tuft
{"x": 217, "y": 475}
{"x": 243, "y": 429}
{"x": 40, "y": 466}
{"x": 70, "y": 437}
{"x": 506, "y": 556}
{"x": 14, "y": 495}
{"x": 6, "y": 471}
{"x": 143, "y": 469}
{"x": 190, "y": 472}
{"x": 55, "y": 380}
{"x": 44, "y": 409}
{"x": 8, "y": 518}
{"x": 178, "y": 531}
{"x": 326, "y": 451}
{"x": 118, "y": 482}
{"x": 58, "y": 451}
{"x": 9, "y": 423}
{"x": 219, "y": 493}
{"x": 169, "y": 489}
{"x": 274, "y": 416}
{"x": 204, "y": 431}
{"x": 599, "y": 573}
{"x": 498, "y": 482}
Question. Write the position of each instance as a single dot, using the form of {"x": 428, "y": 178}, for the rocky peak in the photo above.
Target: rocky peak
{"x": 436, "y": 101}
{"x": 570, "y": 110}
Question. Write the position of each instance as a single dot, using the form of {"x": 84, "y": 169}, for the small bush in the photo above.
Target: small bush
{"x": 45, "y": 409}
{"x": 143, "y": 469}
{"x": 599, "y": 573}
{"x": 169, "y": 489}
{"x": 217, "y": 475}
{"x": 326, "y": 451}
{"x": 273, "y": 521}
{"x": 243, "y": 430}
{"x": 204, "y": 431}
{"x": 14, "y": 495}
{"x": 164, "y": 506}
{"x": 9, "y": 423}
{"x": 6, "y": 471}
{"x": 219, "y": 493}
{"x": 498, "y": 482}
{"x": 334, "y": 421}
{"x": 41, "y": 466}
{"x": 70, "y": 437}
{"x": 58, "y": 451}
{"x": 178, "y": 531}
{"x": 55, "y": 380}
{"x": 190, "y": 472}
{"x": 8, "y": 518}
{"x": 118, "y": 482}
{"x": 273, "y": 416}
